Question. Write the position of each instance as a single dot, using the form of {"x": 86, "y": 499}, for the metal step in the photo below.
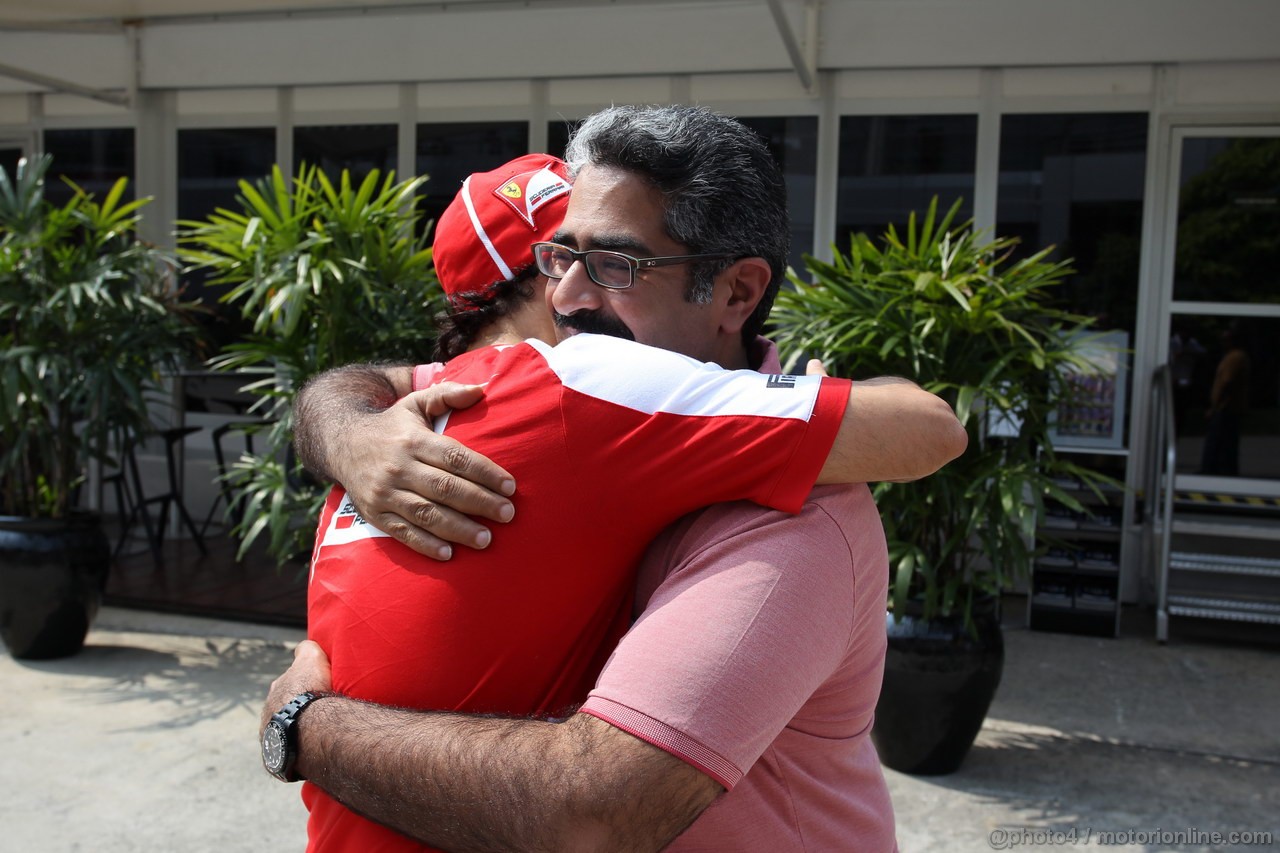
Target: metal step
{"x": 1225, "y": 564}
{"x": 1233, "y": 527}
{"x": 1220, "y": 608}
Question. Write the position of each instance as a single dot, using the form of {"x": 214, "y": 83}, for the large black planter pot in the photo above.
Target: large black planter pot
{"x": 939, "y": 681}
{"x": 52, "y": 574}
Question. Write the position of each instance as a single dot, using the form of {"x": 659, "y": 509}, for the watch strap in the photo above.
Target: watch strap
{"x": 294, "y": 706}
{"x": 286, "y": 719}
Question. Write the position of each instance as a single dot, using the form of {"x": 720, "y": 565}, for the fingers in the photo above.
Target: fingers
{"x": 428, "y": 499}
{"x": 461, "y": 478}
{"x": 815, "y": 368}
{"x": 424, "y": 489}
{"x": 449, "y": 456}
{"x": 443, "y": 396}
{"x": 432, "y": 528}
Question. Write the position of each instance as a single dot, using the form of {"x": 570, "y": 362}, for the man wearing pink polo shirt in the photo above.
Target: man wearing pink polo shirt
{"x": 756, "y": 659}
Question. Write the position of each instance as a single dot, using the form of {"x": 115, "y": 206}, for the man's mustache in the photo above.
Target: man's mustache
{"x": 593, "y": 322}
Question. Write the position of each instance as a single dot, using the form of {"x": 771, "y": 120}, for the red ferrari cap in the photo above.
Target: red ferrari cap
{"x": 484, "y": 234}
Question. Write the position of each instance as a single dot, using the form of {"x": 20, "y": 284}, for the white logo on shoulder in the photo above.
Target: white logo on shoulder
{"x": 347, "y": 525}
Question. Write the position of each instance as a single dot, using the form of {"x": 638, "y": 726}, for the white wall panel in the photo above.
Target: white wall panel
{"x": 929, "y": 83}
{"x": 77, "y": 107}
{"x": 1077, "y": 82}
{"x": 475, "y": 95}
{"x": 461, "y": 41}
{"x": 14, "y": 109}
{"x": 331, "y": 98}
{"x": 937, "y": 33}
{"x": 1230, "y": 84}
{"x": 597, "y": 93}
{"x": 97, "y": 61}
{"x": 462, "y": 44}
{"x": 727, "y": 88}
{"x": 203, "y": 102}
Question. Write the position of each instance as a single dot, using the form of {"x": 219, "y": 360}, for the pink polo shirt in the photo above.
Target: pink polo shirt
{"x": 758, "y": 658}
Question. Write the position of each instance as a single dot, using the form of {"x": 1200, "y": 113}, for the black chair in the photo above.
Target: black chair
{"x": 226, "y": 495}
{"x": 139, "y": 502}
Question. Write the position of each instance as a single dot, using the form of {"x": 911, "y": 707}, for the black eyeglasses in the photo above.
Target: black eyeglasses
{"x": 613, "y": 270}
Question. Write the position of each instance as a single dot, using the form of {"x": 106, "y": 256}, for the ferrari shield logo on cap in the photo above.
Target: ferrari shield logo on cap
{"x": 529, "y": 192}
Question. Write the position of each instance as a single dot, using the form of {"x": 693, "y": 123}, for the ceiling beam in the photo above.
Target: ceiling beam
{"x": 804, "y": 54}
{"x": 93, "y": 27}
{"x": 304, "y": 10}
{"x": 106, "y": 96}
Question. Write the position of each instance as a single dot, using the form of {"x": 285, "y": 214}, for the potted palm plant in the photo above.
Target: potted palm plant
{"x": 953, "y": 310}
{"x": 328, "y": 273}
{"x": 88, "y": 321}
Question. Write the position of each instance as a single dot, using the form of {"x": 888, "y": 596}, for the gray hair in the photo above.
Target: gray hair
{"x": 723, "y": 191}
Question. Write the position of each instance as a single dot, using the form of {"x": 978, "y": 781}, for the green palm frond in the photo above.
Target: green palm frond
{"x": 948, "y": 307}
{"x": 90, "y": 322}
{"x": 328, "y": 273}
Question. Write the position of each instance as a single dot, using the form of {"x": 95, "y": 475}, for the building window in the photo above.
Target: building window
{"x": 793, "y": 141}
{"x": 1228, "y": 220}
{"x": 211, "y": 163}
{"x": 1075, "y": 181}
{"x": 9, "y": 157}
{"x": 357, "y": 148}
{"x": 448, "y": 152}
{"x": 93, "y": 159}
{"x": 892, "y": 166}
{"x": 1226, "y": 393}
{"x": 1226, "y": 366}
{"x": 558, "y": 133}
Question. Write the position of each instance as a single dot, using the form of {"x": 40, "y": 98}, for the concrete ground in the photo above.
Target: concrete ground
{"x": 146, "y": 741}
{"x": 1095, "y": 741}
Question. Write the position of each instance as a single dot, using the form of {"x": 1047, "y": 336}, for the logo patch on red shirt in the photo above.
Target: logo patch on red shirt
{"x": 347, "y": 525}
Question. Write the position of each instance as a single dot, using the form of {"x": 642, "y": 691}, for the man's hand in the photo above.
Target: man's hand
{"x": 419, "y": 486}
{"x": 309, "y": 671}
{"x": 361, "y": 426}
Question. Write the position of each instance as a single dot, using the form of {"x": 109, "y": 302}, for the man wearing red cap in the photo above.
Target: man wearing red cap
{"x": 520, "y": 628}
{"x": 633, "y": 768}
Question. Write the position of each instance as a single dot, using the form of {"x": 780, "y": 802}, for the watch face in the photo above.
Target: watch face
{"x": 273, "y": 747}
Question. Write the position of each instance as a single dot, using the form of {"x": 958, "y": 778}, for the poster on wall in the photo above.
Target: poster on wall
{"x": 1092, "y": 411}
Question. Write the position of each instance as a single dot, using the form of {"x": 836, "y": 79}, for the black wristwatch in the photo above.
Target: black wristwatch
{"x": 280, "y": 738}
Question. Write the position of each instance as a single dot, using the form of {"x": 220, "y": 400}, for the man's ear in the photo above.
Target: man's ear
{"x": 744, "y": 284}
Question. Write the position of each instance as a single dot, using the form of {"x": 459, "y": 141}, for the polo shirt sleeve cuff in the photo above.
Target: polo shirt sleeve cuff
{"x": 664, "y": 737}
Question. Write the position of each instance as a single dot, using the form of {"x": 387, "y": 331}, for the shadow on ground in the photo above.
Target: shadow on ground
{"x": 198, "y": 678}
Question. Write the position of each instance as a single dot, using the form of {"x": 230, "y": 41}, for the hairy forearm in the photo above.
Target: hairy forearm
{"x": 328, "y": 405}
{"x": 466, "y": 783}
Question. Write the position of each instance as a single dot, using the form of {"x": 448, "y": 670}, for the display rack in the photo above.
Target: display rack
{"x": 1075, "y": 580}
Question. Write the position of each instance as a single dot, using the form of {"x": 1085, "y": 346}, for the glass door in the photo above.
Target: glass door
{"x": 1224, "y": 314}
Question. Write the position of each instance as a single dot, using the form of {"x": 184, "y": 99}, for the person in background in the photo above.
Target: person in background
{"x": 1228, "y": 402}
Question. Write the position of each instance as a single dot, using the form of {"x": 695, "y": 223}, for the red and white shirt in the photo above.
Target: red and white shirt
{"x": 609, "y": 441}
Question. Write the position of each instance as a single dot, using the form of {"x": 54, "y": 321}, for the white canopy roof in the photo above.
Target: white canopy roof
{"x": 111, "y": 48}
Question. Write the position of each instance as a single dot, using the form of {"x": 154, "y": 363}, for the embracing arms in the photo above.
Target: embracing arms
{"x": 356, "y": 426}
{"x": 361, "y": 426}
{"x": 469, "y": 783}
